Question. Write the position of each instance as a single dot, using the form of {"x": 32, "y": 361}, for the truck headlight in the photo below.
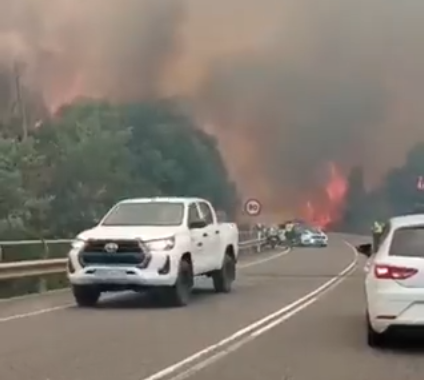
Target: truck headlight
{"x": 161, "y": 244}
{"x": 78, "y": 244}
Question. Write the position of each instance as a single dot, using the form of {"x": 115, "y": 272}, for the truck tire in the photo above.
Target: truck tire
{"x": 85, "y": 295}
{"x": 179, "y": 295}
{"x": 223, "y": 278}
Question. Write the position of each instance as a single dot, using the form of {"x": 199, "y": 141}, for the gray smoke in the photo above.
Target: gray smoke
{"x": 118, "y": 50}
{"x": 287, "y": 85}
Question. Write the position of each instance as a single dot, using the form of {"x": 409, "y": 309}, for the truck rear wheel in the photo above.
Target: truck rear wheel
{"x": 223, "y": 278}
{"x": 180, "y": 294}
{"x": 85, "y": 295}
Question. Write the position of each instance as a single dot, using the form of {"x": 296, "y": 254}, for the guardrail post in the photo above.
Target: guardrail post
{"x": 42, "y": 284}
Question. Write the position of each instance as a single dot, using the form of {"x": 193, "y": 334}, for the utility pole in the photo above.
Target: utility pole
{"x": 20, "y": 100}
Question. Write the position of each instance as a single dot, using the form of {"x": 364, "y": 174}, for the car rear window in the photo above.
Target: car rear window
{"x": 408, "y": 242}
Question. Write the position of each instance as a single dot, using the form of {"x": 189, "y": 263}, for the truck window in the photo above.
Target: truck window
{"x": 206, "y": 212}
{"x": 145, "y": 214}
{"x": 408, "y": 242}
{"x": 193, "y": 214}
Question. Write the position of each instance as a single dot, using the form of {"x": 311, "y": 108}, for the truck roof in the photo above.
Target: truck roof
{"x": 184, "y": 200}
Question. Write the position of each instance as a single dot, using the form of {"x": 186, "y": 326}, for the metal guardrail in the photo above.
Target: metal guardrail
{"x": 45, "y": 266}
{"x": 33, "y": 268}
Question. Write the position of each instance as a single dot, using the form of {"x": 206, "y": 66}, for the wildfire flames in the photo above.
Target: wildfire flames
{"x": 280, "y": 106}
{"x": 325, "y": 209}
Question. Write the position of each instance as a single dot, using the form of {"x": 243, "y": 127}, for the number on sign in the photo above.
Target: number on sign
{"x": 252, "y": 207}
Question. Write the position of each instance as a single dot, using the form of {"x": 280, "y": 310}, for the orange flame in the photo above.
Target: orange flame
{"x": 327, "y": 208}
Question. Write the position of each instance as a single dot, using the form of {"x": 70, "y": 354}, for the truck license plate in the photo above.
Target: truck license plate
{"x": 109, "y": 273}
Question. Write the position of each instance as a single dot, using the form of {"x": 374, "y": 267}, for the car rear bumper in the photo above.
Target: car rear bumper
{"x": 391, "y": 311}
{"x": 314, "y": 243}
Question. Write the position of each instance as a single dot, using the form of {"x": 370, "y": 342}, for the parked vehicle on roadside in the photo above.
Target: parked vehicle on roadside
{"x": 311, "y": 237}
{"x": 394, "y": 284}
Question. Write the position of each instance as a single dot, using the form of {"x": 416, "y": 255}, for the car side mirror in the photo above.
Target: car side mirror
{"x": 197, "y": 224}
{"x": 365, "y": 249}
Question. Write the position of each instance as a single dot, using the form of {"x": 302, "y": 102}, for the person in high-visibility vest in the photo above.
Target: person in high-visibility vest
{"x": 377, "y": 230}
{"x": 290, "y": 233}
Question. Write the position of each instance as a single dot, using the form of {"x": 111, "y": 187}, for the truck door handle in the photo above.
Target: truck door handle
{"x": 205, "y": 234}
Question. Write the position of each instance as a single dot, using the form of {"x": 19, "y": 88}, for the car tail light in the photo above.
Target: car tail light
{"x": 392, "y": 272}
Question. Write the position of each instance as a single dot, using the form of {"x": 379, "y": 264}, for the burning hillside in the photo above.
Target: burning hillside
{"x": 288, "y": 86}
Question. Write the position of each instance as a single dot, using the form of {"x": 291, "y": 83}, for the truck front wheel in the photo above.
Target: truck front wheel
{"x": 85, "y": 295}
{"x": 180, "y": 294}
{"x": 223, "y": 278}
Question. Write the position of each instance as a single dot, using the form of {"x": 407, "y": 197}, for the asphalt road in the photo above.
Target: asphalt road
{"x": 291, "y": 316}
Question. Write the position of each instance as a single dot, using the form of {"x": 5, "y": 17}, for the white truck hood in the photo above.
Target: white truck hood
{"x": 143, "y": 233}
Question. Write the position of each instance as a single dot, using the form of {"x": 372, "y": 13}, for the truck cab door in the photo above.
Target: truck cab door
{"x": 199, "y": 241}
{"x": 213, "y": 234}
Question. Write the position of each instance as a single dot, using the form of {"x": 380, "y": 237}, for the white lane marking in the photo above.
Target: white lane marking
{"x": 34, "y": 313}
{"x": 265, "y": 259}
{"x": 284, "y": 318}
{"x": 247, "y": 339}
{"x": 238, "y": 344}
{"x": 261, "y": 325}
{"x": 25, "y": 297}
{"x": 69, "y": 305}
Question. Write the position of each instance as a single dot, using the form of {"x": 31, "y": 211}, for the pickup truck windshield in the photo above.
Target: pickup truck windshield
{"x": 146, "y": 214}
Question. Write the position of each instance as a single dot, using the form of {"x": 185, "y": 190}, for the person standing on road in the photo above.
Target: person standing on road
{"x": 289, "y": 232}
{"x": 377, "y": 230}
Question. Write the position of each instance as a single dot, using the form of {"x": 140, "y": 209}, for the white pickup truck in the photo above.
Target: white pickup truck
{"x": 154, "y": 244}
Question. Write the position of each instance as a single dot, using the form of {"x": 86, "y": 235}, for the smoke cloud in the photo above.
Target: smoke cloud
{"x": 118, "y": 50}
{"x": 286, "y": 85}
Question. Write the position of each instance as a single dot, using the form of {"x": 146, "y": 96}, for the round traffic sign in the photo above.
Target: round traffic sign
{"x": 252, "y": 207}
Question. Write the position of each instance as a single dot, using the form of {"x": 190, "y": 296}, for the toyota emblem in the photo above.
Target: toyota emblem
{"x": 111, "y": 247}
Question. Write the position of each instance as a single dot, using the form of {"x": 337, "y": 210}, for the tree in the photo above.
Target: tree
{"x": 176, "y": 156}
{"x": 91, "y": 154}
{"x": 398, "y": 193}
{"x": 400, "y": 184}
{"x": 19, "y": 163}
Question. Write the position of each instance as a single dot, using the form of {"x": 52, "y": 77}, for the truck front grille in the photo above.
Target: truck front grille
{"x": 113, "y": 259}
{"x": 128, "y": 252}
{"x": 124, "y": 246}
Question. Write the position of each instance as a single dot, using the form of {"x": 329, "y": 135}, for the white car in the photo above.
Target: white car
{"x": 394, "y": 283}
{"x": 312, "y": 237}
{"x": 157, "y": 244}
